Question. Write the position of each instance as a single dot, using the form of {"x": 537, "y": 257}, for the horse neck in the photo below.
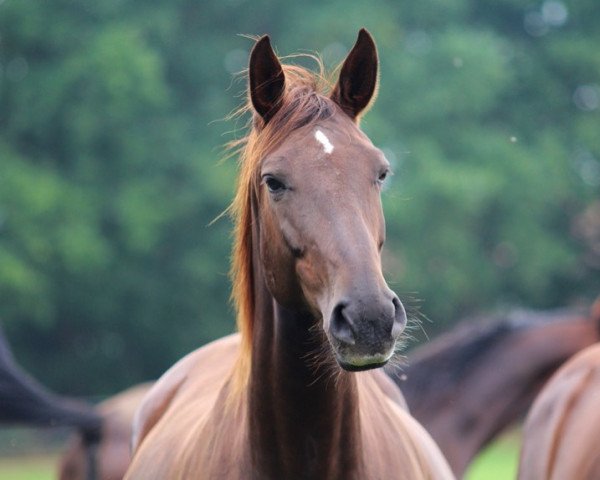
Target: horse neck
{"x": 533, "y": 354}
{"x": 302, "y": 422}
{"x": 488, "y": 399}
{"x": 30, "y": 403}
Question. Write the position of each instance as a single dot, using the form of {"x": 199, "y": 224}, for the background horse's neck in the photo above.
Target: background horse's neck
{"x": 473, "y": 389}
{"x": 303, "y": 419}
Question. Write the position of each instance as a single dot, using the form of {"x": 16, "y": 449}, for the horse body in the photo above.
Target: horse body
{"x": 113, "y": 451}
{"x": 181, "y": 407}
{"x": 358, "y": 412}
{"x": 274, "y": 403}
{"x": 474, "y": 381}
{"x": 447, "y": 384}
{"x": 561, "y": 433}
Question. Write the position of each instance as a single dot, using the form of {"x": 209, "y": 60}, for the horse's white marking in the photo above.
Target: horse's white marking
{"x": 323, "y": 140}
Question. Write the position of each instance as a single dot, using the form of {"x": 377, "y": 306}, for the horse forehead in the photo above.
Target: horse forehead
{"x": 327, "y": 146}
{"x": 335, "y": 132}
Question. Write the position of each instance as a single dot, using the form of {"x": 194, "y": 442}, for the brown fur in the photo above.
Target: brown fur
{"x": 113, "y": 456}
{"x": 304, "y": 105}
{"x": 560, "y": 438}
{"x": 446, "y": 383}
{"x": 187, "y": 420}
{"x": 455, "y": 388}
{"x": 277, "y": 405}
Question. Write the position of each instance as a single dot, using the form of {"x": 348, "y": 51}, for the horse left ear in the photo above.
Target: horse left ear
{"x": 357, "y": 84}
{"x": 267, "y": 80}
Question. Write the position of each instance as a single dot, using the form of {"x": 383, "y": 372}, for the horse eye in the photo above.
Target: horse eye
{"x": 382, "y": 176}
{"x": 274, "y": 185}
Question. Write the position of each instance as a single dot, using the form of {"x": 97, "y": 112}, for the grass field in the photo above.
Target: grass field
{"x": 497, "y": 462}
{"x": 36, "y": 467}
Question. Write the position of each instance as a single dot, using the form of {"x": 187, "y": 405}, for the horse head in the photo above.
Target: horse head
{"x": 317, "y": 191}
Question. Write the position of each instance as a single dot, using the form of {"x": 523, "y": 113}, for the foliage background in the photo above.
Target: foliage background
{"x": 110, "y": 138}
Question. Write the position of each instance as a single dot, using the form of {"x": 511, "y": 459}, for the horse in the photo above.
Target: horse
{"x": 445, "y": 382}
{"x": 474, "y": 381}
{"x": 113, "y": 452}
{"x": 24, "y": 401}
{"x": 561, "y": 432}
{"x": 285, "y": 399}
{"x": 441, "y": 383}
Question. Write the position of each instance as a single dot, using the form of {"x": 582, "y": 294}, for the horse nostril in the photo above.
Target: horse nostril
{"x": 340, "y": 327}
{"x": 399, "y": 317}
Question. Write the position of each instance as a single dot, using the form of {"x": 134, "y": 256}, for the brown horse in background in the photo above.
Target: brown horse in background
{"x": 466, "y": 386}
{"x": 311, "y": 298}
{"x": 24, "y": 401}
{"x": 113, "y": 453}
{"x": 562, "y": 431}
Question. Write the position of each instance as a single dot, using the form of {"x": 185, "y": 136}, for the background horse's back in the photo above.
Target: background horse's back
{"x": 562, "y": 430}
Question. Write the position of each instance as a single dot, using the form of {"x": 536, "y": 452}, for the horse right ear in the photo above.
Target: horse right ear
{"x": 267, "y": 80}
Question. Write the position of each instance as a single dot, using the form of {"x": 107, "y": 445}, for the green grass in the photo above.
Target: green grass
{"x": 498, "y": 461}
{"x": 37, "y": 467}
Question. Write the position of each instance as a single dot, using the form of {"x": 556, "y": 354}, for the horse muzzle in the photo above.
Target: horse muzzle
{"x": 363, "y": 331}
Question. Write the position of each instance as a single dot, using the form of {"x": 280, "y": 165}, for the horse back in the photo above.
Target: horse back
{"x": 560, "y": 437}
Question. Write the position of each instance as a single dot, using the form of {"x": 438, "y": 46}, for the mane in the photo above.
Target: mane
{"x": 304, "y": 102}
{"x": 456, "y": 352}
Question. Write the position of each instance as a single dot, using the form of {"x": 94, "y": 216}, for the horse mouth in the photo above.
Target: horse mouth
{"x": 363, "y": 362}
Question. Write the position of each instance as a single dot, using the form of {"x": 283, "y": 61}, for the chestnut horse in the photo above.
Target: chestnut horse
{"x": 562, "y": 430}
{"x": 311, "y": 298}
{"x": 473, "y": 382}
{"x": 447, "y": 384}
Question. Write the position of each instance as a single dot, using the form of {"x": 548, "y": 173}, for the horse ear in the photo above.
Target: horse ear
{"x": 267, "y": 80}
{"x": 358, "y": 78}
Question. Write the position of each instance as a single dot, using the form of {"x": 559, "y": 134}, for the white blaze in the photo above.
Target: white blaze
{"x": 323, "y": 140}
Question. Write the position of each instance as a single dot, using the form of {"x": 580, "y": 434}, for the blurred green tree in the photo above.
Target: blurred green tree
{"x": 109, "y": 172}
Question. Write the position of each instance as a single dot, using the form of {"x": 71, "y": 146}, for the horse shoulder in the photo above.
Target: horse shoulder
{"x": 430, "y": 460}
{"x": 161, "y": 395}
{"x": 564, "y": 414}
